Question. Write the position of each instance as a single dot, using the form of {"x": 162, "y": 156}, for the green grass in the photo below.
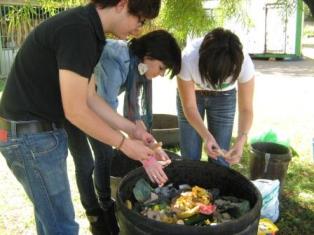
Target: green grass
{"x": 308, "y": 29}
{"x": 2, "y": 82}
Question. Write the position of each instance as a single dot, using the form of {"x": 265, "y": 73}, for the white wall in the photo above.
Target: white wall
{"x": 253, "y": 37}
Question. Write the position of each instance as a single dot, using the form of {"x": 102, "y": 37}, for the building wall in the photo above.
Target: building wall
{"x": 273, "y": 30}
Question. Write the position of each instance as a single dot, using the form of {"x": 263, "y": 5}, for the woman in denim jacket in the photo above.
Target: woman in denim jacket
{"x": 130, "y": 68}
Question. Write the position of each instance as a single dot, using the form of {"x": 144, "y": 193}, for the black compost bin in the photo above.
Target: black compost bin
{"x": 207, "y": 175}
{"x": 165, "y": 129}
{"x": 269, "y": 161}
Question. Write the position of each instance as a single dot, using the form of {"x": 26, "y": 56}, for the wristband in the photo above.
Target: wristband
{"x": 121, "y": 143}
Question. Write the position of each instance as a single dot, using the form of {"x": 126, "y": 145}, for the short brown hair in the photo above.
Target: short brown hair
{"x": 148, "y": 9}
{"x": 221, "y": 56}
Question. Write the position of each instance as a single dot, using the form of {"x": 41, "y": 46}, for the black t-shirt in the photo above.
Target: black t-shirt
{"x": 71, "y": 40}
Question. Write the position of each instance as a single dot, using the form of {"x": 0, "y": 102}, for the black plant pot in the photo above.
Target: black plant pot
{"x": 165, "y": 129}
{"x": 269, "y": 161}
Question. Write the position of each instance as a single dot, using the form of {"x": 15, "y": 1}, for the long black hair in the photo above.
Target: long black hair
{"x": 221, "y": 56}
{"x": 160, "y": 45}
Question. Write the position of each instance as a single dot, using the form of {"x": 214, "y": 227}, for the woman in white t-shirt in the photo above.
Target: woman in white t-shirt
{"x": 214, "y": 69}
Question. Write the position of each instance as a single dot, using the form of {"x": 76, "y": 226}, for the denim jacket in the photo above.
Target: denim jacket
{"x": 116, "y": 72}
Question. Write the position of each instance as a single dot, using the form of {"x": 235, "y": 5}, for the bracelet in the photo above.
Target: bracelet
{"x": 121, "y": 143}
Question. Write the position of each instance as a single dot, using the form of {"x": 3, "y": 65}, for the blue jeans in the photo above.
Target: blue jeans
{"x": 103, "y": 158}
{"x": 38, "y": 161}
{"x": 220, "y": 111}
{"x": 95, "y": 192}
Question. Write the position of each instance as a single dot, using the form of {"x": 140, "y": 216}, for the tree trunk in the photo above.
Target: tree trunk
{"x": 310, "y": 4}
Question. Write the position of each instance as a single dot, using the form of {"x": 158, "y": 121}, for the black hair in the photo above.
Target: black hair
{"x": 148, "y": 9}
{"x": 221, "y": 56}
{"x": 160, "y": 45}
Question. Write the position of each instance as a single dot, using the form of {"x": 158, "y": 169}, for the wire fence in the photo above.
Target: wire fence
{"x": 16, "y": 21}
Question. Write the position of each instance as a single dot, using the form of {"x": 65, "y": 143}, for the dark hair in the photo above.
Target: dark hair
{"x": 148, "y": 9}
{"x": 221, "y": 56}
{"x": 159, "y": 45}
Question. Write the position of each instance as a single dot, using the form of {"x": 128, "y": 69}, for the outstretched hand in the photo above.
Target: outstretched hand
{"x": 160, "y": 155}
{"x": 155, "y": 171}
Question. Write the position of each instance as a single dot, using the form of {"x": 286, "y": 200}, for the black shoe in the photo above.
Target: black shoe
{"x": 108, "y": 207}
{"x": 110, "y": 211}
{"x": 99, "y": 224}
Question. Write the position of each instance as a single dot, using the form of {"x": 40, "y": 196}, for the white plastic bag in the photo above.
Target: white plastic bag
{"x": 270, "y": 192}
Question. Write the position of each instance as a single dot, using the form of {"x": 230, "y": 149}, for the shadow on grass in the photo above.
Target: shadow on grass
{"x": 297, "y": 202}
{"x": 295, "y": 217}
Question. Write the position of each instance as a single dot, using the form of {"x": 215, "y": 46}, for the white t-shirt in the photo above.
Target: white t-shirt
{"x": 190, "y": 69}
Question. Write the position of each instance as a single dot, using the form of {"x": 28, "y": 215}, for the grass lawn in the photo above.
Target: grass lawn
{"x": 2, "y": 82}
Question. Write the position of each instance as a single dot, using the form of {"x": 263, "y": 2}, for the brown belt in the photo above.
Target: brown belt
{"x": 19, "y": 128}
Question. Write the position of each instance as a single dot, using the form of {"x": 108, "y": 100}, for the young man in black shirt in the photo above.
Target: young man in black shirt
{"x": 49, "y": 82}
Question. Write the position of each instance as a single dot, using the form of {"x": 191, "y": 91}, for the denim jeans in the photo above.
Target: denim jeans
{"x": 220, "y": 111}
{"x": 84, "y": 167}
{"x": 95, "y": 192}
{"x": 38, "y": 161}
{"x": 103, "y": 158}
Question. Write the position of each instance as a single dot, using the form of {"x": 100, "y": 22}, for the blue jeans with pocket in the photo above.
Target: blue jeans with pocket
{"x": 220, "y": 111}
{"x": 38, "y": 161}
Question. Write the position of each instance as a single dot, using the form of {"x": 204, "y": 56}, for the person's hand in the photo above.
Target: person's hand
{"x": 212, "y": 148}
{"x": 233, "y": 156}
{"x": 136, "y": 149}
{"x": 140, "y": 133}
{"x": 155, "y": 171}
{"x": 160, "y": 155}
